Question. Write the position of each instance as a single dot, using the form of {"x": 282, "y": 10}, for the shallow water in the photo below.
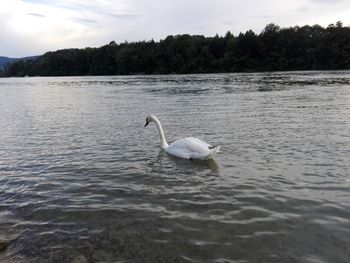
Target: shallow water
{"x": 82, "y": 179}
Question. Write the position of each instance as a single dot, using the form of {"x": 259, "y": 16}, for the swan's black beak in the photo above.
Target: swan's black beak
{"x": 146, "y": 123}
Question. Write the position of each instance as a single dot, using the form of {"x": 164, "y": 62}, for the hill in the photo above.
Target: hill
{"x": 6, "y": 60}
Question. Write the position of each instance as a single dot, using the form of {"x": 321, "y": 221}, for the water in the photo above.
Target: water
{"x": 81, "y": 179}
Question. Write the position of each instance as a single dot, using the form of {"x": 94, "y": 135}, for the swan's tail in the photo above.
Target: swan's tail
{"x": 212, "y": 153}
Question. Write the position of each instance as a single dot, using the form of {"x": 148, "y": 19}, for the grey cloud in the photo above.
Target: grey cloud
{"x": 99, "y": 11}
{"x": 263, "y": 16}
{"x": 37, "y": 1}
{"x": 83, "y": 20}
{"x": 76, "y": 7}
{"x": 35, "y": 14}
{"x": 302, "y": 9}
{"x": 229, "y": 22}
{"x": 123, "y": 16}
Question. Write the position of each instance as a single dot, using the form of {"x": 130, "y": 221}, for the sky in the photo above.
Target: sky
{"x": 33, "y": 27}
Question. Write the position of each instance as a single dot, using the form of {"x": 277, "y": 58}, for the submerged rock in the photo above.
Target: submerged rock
{"x": 3, "y": 244}
{"x": 79, "y": 259}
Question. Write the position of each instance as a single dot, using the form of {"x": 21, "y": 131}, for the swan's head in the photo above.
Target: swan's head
{"x": 149, "y": 119}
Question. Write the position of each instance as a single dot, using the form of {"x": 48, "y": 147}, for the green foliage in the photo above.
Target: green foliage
{"x": 275, "y": 48}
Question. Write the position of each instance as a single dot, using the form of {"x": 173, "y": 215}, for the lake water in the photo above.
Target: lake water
{"x": 81, "y": 179}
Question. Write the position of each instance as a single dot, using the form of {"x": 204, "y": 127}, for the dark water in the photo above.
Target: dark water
{"x": 81, "y": 179}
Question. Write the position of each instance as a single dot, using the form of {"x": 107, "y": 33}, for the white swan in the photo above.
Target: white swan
{"x": 188, "y": 148}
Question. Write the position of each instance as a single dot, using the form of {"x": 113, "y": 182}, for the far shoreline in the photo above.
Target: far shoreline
{"x": 183, "y": 74}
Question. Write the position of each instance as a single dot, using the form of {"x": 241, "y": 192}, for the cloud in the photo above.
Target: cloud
{"x": 123, "y": 16}
{"x": 262, "y": 16}
{"x": 302, "y": 9}
{"x": 34, "y": 14}
{"x": 83, "y": 20}
{"x": 327, "y": 1}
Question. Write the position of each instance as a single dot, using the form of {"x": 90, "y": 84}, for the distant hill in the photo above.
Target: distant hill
{"x": 6, "y": 60}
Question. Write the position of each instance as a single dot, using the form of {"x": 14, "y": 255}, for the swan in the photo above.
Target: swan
{"x": 187, "y": 148}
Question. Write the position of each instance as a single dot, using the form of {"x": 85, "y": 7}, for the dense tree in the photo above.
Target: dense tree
{"x": 275, "y": 48}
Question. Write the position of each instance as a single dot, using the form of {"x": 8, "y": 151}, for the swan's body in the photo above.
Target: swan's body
{"x": 188, "y": 148}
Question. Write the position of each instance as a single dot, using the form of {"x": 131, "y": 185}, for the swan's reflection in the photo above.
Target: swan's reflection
{"x": 186, "y": 164}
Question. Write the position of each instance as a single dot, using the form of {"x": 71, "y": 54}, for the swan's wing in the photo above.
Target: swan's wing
{"x": 178, "y": 152}
{"x": 198, "y": 141}
{"x": 190, "y": 144}
{"x": 189, "y": 148}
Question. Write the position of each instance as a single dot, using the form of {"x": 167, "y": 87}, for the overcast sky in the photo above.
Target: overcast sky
{"x": 32, "y": 27}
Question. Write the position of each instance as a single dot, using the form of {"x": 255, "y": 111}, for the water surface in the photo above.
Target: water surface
{"x": 82, "y": 179}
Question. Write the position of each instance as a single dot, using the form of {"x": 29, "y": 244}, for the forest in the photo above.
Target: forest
{"x": 274, "y": 49}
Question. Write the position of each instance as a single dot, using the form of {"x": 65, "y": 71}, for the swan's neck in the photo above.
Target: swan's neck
{"x": 163, "y": 142}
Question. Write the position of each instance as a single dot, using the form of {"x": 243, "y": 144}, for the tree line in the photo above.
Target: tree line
{"x": 274, "y": 49}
